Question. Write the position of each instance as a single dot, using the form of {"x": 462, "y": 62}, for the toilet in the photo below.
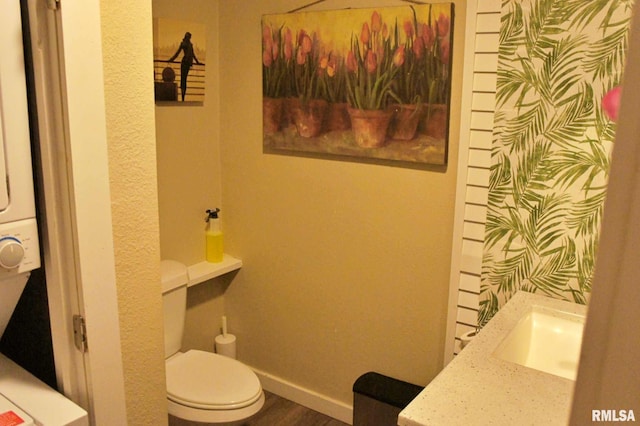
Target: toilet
{"x": 201, "y": 386}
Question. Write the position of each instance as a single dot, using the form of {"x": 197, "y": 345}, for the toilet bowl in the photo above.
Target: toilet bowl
{"x": 201, "y": 386}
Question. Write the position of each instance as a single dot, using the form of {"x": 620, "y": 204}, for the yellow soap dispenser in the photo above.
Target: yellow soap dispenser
{"x": 214, "y": 237}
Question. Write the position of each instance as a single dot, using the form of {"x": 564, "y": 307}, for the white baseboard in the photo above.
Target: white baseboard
{"x": 308, "y": 398}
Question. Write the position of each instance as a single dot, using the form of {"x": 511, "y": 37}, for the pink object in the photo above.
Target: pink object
{"x": 611, "y": 103}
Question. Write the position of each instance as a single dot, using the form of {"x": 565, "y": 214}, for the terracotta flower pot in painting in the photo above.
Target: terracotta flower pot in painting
{"x": 309, "y": 116}
{"x": 404, "y": 124}
{"x": 288, "y": 105}
{"x": 271, "y": 115}
{"x": 370, "y": 126}
{"x": 434, "y": 121}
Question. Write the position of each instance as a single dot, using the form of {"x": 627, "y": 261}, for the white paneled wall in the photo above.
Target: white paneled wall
{"x": 474, "y": 175}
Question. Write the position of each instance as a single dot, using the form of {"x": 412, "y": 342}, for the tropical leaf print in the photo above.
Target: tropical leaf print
{"x": 605, "y": 58}
{"x": 542, "y": 24}
{"x": 581, "y": 13}
{"x": 551, "y": 146}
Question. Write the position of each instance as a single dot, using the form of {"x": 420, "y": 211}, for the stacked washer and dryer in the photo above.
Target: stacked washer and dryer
{"x": 24, "y": 400}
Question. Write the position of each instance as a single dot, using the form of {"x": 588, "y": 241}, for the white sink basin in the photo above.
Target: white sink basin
{"x": 547, "y": 340}
{"x": 484, "y": 382}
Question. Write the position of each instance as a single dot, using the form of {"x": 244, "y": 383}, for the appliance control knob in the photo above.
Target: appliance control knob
{"x": 11, "y": 252}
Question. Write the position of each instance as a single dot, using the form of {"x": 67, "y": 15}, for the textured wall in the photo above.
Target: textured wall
{"x": 127, "y": 52}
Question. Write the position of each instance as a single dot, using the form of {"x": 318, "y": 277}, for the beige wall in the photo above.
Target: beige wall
{"x": 188, "y": 147}
{"x": 189, "y": 175}
{"x": 126, "y": 43}
{"x": 346, "y": 264}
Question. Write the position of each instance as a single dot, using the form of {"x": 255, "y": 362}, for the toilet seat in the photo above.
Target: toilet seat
{"x": 209, "y": 381}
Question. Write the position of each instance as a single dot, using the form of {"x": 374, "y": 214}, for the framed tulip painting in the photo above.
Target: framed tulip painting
{"x": 361, "y": 83}
{"x": 179, "y": 55}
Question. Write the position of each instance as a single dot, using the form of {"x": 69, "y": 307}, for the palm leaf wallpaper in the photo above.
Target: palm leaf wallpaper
{"x": 551, "y": 146}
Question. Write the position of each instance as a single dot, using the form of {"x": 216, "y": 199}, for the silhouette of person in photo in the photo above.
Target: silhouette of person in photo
{"x": 188, "y": 57}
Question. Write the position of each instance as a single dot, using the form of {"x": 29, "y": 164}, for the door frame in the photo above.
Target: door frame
{"x": 74, "y": 184}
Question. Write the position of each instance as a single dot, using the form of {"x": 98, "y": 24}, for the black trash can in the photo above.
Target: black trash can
{"x": 378, "y": 399}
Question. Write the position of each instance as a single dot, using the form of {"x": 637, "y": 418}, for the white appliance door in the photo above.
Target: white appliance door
{"x": 16, "y": 189}
{"x": 19, "y": 251}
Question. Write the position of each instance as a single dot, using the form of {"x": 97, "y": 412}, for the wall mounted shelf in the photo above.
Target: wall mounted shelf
{"x": 204, "y": 271}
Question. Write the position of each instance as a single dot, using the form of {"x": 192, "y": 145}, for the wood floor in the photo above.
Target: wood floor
{"x": 278, "y": 411}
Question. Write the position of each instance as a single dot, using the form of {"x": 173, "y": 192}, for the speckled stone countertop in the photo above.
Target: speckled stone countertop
{"x": 478, "y": 388}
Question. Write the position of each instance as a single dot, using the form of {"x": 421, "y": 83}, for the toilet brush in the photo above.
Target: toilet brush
{"x": 224, "y": 326}
{"x": 225, "y": 342}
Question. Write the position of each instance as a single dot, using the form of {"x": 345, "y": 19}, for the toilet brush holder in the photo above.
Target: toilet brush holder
{"x": 226, "y": 345}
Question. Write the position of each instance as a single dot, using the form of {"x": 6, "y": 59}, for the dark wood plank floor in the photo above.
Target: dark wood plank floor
{"x": 277, "y": 411}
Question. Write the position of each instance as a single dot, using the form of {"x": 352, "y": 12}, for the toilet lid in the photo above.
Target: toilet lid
{"x": 210, "y": 381}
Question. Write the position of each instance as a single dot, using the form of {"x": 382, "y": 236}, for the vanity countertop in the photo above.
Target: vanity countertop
{"x": 479, "y": 388}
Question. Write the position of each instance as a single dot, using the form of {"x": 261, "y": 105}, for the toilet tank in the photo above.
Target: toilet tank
{"x": 174, "y": 303}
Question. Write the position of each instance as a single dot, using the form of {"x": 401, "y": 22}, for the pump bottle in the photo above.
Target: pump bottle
{"x": 213, "y": 236}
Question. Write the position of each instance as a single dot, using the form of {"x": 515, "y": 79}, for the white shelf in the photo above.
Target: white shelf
{"x": 204, "y": 271}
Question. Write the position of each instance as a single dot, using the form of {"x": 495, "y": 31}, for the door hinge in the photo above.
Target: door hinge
{"x": 80, "y": 333}
{"x": 53, "y": 4}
